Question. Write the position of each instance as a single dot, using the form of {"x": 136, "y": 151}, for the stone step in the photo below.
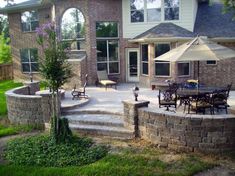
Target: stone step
{"x": 87, "y": 111}
{"x": 114, "y": 132}
{"x": 96, "y": 119}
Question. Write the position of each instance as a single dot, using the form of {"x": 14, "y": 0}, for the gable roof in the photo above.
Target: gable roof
{"x": 165, "y": 30}
{"x": 212, "y": 22}
{"x": 21, "y": 6}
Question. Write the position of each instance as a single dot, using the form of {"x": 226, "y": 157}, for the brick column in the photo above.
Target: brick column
{"x": 131, "y": 114}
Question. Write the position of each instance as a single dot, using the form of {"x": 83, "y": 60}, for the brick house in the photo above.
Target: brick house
{"x": 123, "y": 37}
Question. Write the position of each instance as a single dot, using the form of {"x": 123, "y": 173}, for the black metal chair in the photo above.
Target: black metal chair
{"x": 201, "y": 103}
{"x": 220, "y": 100}
{"x": 167, "y": 98}
{"x": 80, "y": 93}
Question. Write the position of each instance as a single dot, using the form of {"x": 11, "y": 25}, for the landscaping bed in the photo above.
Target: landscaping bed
{"x": 130, "y": 158}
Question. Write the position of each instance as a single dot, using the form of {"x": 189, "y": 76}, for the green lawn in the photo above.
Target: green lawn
{"x": 7, "y": 130}
{"x": 5, "y": 86}
{"x": 134, "y": 162}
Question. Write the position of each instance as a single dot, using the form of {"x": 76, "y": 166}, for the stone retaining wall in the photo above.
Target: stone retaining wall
{"x": 24, "y": 107}
{"x": 184, "y": 132}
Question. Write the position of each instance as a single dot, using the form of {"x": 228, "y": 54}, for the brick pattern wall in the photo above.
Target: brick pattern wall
{"x": 21, "y": 40}
{"x": 179, "y": 131}
{"x": 182, "y": 132}
{"x": 24, "y": 107}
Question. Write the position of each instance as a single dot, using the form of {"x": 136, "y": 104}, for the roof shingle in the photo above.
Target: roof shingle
{"x": 212, "y": 22}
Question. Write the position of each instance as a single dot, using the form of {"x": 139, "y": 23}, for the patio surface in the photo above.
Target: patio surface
{"x": 110, "y": 101}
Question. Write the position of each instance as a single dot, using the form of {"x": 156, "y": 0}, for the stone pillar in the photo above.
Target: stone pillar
{"x": 131, "y": 114}
{"x": 46, "y": 105}
{"x": 33, "y": 87}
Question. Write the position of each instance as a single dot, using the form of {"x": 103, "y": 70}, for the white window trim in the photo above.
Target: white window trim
{"x": 189, "y": 63}
{"x": 30, "y": 63}
{"x": 144, "y": 61}
{"x": 107, "y": 39}
{"x": 163, "y": 6}
{"x": 30, "y": 22}
{"x": 163, "y": 76}
{"x": 153, "y": 22}
{"x": 108, "y": 61}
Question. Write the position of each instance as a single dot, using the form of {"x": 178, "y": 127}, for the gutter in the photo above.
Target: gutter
{"x": 19, "y": 7}
{"x": 160, "y": 39}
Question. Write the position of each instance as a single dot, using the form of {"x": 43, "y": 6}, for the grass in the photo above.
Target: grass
{"x": 132, "y": 162}
{"x": 6, "y": 130}
{"x": 5, "y": 86}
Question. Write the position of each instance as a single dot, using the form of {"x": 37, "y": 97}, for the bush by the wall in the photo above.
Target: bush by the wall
{"x": 5, "y": 49}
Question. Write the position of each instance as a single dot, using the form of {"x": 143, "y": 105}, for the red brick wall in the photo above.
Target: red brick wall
{"x": 21, "y": 40}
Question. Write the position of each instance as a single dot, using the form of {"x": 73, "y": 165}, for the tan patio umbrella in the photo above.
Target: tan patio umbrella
{"x": 199, "y": 49}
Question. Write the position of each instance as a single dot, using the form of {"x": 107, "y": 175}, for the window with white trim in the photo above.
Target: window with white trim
{"x": 154, "y": 10}
{"x": 107, "y": 45}
{"x": 144, "y": 59}
{"x": 171, "y": 9}
{"x": 29, "y": 60}
{"x": 162, "y": 68}
{"x": 137, "y": 10}
{"x": 29, "y": 21}
{"x": 183, "y": 68}
{"x": 73, "y": 29}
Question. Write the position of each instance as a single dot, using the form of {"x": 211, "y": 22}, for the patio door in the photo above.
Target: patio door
{"x": 132, "y": 65}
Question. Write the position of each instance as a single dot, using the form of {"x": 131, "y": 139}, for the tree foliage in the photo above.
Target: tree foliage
{"x": 5, "y": 49}
{"x": 4, "y": 26}
{"x": 55, "y": 70}
{"x": 229, "y": 6}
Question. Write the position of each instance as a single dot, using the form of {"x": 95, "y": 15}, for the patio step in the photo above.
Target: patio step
{"x": 96, "y": 119}
{"x": 99, "y": 124}
{"x": 87, "y": 111}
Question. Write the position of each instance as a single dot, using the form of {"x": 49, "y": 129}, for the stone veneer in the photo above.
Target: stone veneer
{"x": 181, "y": 132}
{"x": 27, "y": 105}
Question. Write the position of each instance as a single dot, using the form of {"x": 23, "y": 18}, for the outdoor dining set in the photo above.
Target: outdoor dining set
{"x": 198, "y": 99}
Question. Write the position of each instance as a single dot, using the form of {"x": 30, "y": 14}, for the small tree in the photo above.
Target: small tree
{"x": 229, "y": 6}
{"x": 55, "y": 69}
{"x": 5, "y": 49}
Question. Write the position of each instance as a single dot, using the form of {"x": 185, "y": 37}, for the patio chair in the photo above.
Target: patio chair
{"x": 76, "y": 93}
{"x": 167, "y": 98}
{"x": 201, "y": 103}
{"x": 220, "y": 100}
{"x": 104, "y": 80}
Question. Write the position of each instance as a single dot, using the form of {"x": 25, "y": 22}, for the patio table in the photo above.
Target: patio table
{"x": 198, "y": 91}
{"x": 186, "y": 95}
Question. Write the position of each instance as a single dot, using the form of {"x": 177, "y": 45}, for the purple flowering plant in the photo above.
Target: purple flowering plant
{"x": 54, "y": 67}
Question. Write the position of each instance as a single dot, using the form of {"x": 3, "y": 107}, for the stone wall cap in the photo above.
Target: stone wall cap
{"x": 133, "y": 102}
{"x": 29, "y": 82}
{"x": 11, "y": 93}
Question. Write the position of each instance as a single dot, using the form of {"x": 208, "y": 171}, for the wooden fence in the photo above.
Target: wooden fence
{"x": 6, "y": 71}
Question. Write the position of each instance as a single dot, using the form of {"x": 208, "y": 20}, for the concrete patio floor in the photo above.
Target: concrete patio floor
{"x": 110, "y": 100}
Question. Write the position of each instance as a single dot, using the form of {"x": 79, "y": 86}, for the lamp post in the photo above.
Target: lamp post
{"x": 136, "y": 92}
{"x": 31, "y": 77}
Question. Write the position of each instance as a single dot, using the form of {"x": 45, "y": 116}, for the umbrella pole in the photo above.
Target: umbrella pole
{"x": 198, "y": 67}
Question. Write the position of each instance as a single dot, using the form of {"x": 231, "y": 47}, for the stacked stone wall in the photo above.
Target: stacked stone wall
{"x": 179, "y": 131}
{"x": 24, "y": 108}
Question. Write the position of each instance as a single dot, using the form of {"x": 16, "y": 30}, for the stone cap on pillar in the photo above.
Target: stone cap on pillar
{"x": 140, "y": 103}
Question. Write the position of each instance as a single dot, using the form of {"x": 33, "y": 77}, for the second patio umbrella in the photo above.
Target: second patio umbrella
{"x": 199, "y": 49}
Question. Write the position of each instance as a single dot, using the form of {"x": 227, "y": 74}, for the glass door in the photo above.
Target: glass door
{"x": 133, "y": 65}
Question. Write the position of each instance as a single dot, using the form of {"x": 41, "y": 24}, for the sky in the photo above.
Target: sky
{"x": 3, "y": 3}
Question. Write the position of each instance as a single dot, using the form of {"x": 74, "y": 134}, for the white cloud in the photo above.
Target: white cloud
{"x": 3, "y": 3}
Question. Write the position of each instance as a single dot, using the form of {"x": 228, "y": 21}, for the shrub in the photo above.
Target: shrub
{"x": 5, "y": 49}
{"x": 42, "y": 151}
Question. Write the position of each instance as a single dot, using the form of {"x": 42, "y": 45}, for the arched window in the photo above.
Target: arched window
{"x": 73, "y": 29}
